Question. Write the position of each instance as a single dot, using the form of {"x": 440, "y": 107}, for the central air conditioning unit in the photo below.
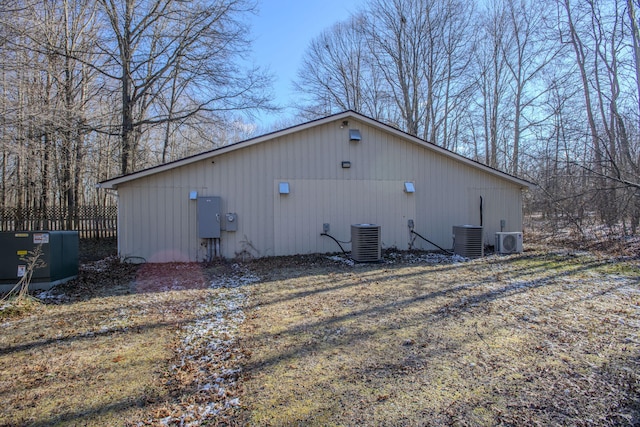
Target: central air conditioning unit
{"x": 365, "y": 243}
{"x": 468, "y": 241}
{"x": 508, "y": 243}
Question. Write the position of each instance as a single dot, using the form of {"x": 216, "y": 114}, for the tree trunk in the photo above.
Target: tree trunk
{"x": 578, "y": 49}
{"x": 635, "y": 35}
{"x": 128, "y": 140}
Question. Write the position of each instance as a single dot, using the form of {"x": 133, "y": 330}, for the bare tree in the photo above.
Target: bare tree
{"x": 492, "y": 77}
{"x": 455, "y": 82}
{"x": 634, "y": 24}
{"x": 337, "y": 72}
{"x": 398, "y": 31}
{"x": 402, "y": 61}
{"x": 83, "y": 80}
{"x": 580, "y": 53}
{"x": 528, "y": 50}
{"x": 603, "y": 57}
{"x": 152, "y": 46}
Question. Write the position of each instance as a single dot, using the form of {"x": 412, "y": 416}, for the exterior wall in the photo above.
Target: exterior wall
{"x": 158, "y": 222}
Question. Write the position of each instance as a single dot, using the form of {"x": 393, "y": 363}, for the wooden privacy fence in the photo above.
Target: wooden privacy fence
{"x": 92, "y": 222}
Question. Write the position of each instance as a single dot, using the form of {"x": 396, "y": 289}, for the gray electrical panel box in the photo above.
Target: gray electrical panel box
{"x": 59, "y": 255}
{"x": 209, "y": 217}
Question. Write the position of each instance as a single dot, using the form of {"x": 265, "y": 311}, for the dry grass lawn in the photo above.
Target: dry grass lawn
{"x": 533, "y": 339}
{"x": 540, "y": 338}
{"x": 122, "y": 346}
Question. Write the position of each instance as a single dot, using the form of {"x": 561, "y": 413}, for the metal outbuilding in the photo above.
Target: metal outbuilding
{"x": 277, "y": 193}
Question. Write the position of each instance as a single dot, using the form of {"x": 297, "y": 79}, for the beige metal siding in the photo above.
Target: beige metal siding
{"x": 158, "y": 221}
{"x": 299, "y": 216}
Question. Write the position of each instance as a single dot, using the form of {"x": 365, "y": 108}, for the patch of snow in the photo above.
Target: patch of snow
{"x": 458, "y": 258}
{"x": 234, "y": 402}
{"x": 4, "y": 306}
{"x": 209, "y": 343}
{"x": 393, "y": 257}
{"x": 51, "y": 296}
{"x": 424, "y": 257}
{"x": 241, "y": 277}
{"x": 337, "y": 258}
{"x": 627, "y": 290}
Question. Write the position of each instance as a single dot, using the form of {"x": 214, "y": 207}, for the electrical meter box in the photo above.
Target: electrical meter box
{"x": 231, "y": 221}
{"x": 209, "y": 217}
{"x": 58, "y": 258}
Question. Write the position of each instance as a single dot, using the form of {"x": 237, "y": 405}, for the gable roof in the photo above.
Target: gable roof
{"x": 349, "y": 114}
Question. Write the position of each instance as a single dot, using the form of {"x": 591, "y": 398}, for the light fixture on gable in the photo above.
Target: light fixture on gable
{"x": 354, "y": 135}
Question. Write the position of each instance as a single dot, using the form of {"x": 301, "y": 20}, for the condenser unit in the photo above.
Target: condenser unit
{"x": 365, "y": 243}
{"x": 468, "y": 241}
{"x": 508, "y": 243}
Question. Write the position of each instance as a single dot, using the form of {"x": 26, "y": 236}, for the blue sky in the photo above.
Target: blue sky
{"x": 282, "y": 30}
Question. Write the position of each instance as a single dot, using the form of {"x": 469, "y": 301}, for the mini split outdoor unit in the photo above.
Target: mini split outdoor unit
{"x": 508, "y": 243}
{"x": 365, "y": 243}
{"x": 467, "y": 241}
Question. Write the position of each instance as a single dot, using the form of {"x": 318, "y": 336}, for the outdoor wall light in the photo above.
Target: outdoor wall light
{"x": 284, "y": 188}
{"x": 409, "y": 187}
{"x": 346, "y": 165}
{"x": 193, "y": 195}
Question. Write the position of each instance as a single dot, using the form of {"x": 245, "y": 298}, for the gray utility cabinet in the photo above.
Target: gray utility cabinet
{"x": 59, "y": 254}
{"x": 209, "y": 217}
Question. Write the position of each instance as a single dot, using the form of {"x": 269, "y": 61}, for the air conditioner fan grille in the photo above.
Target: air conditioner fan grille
{"x": 365, "y": 243}
{"x": 509, "y": 243}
